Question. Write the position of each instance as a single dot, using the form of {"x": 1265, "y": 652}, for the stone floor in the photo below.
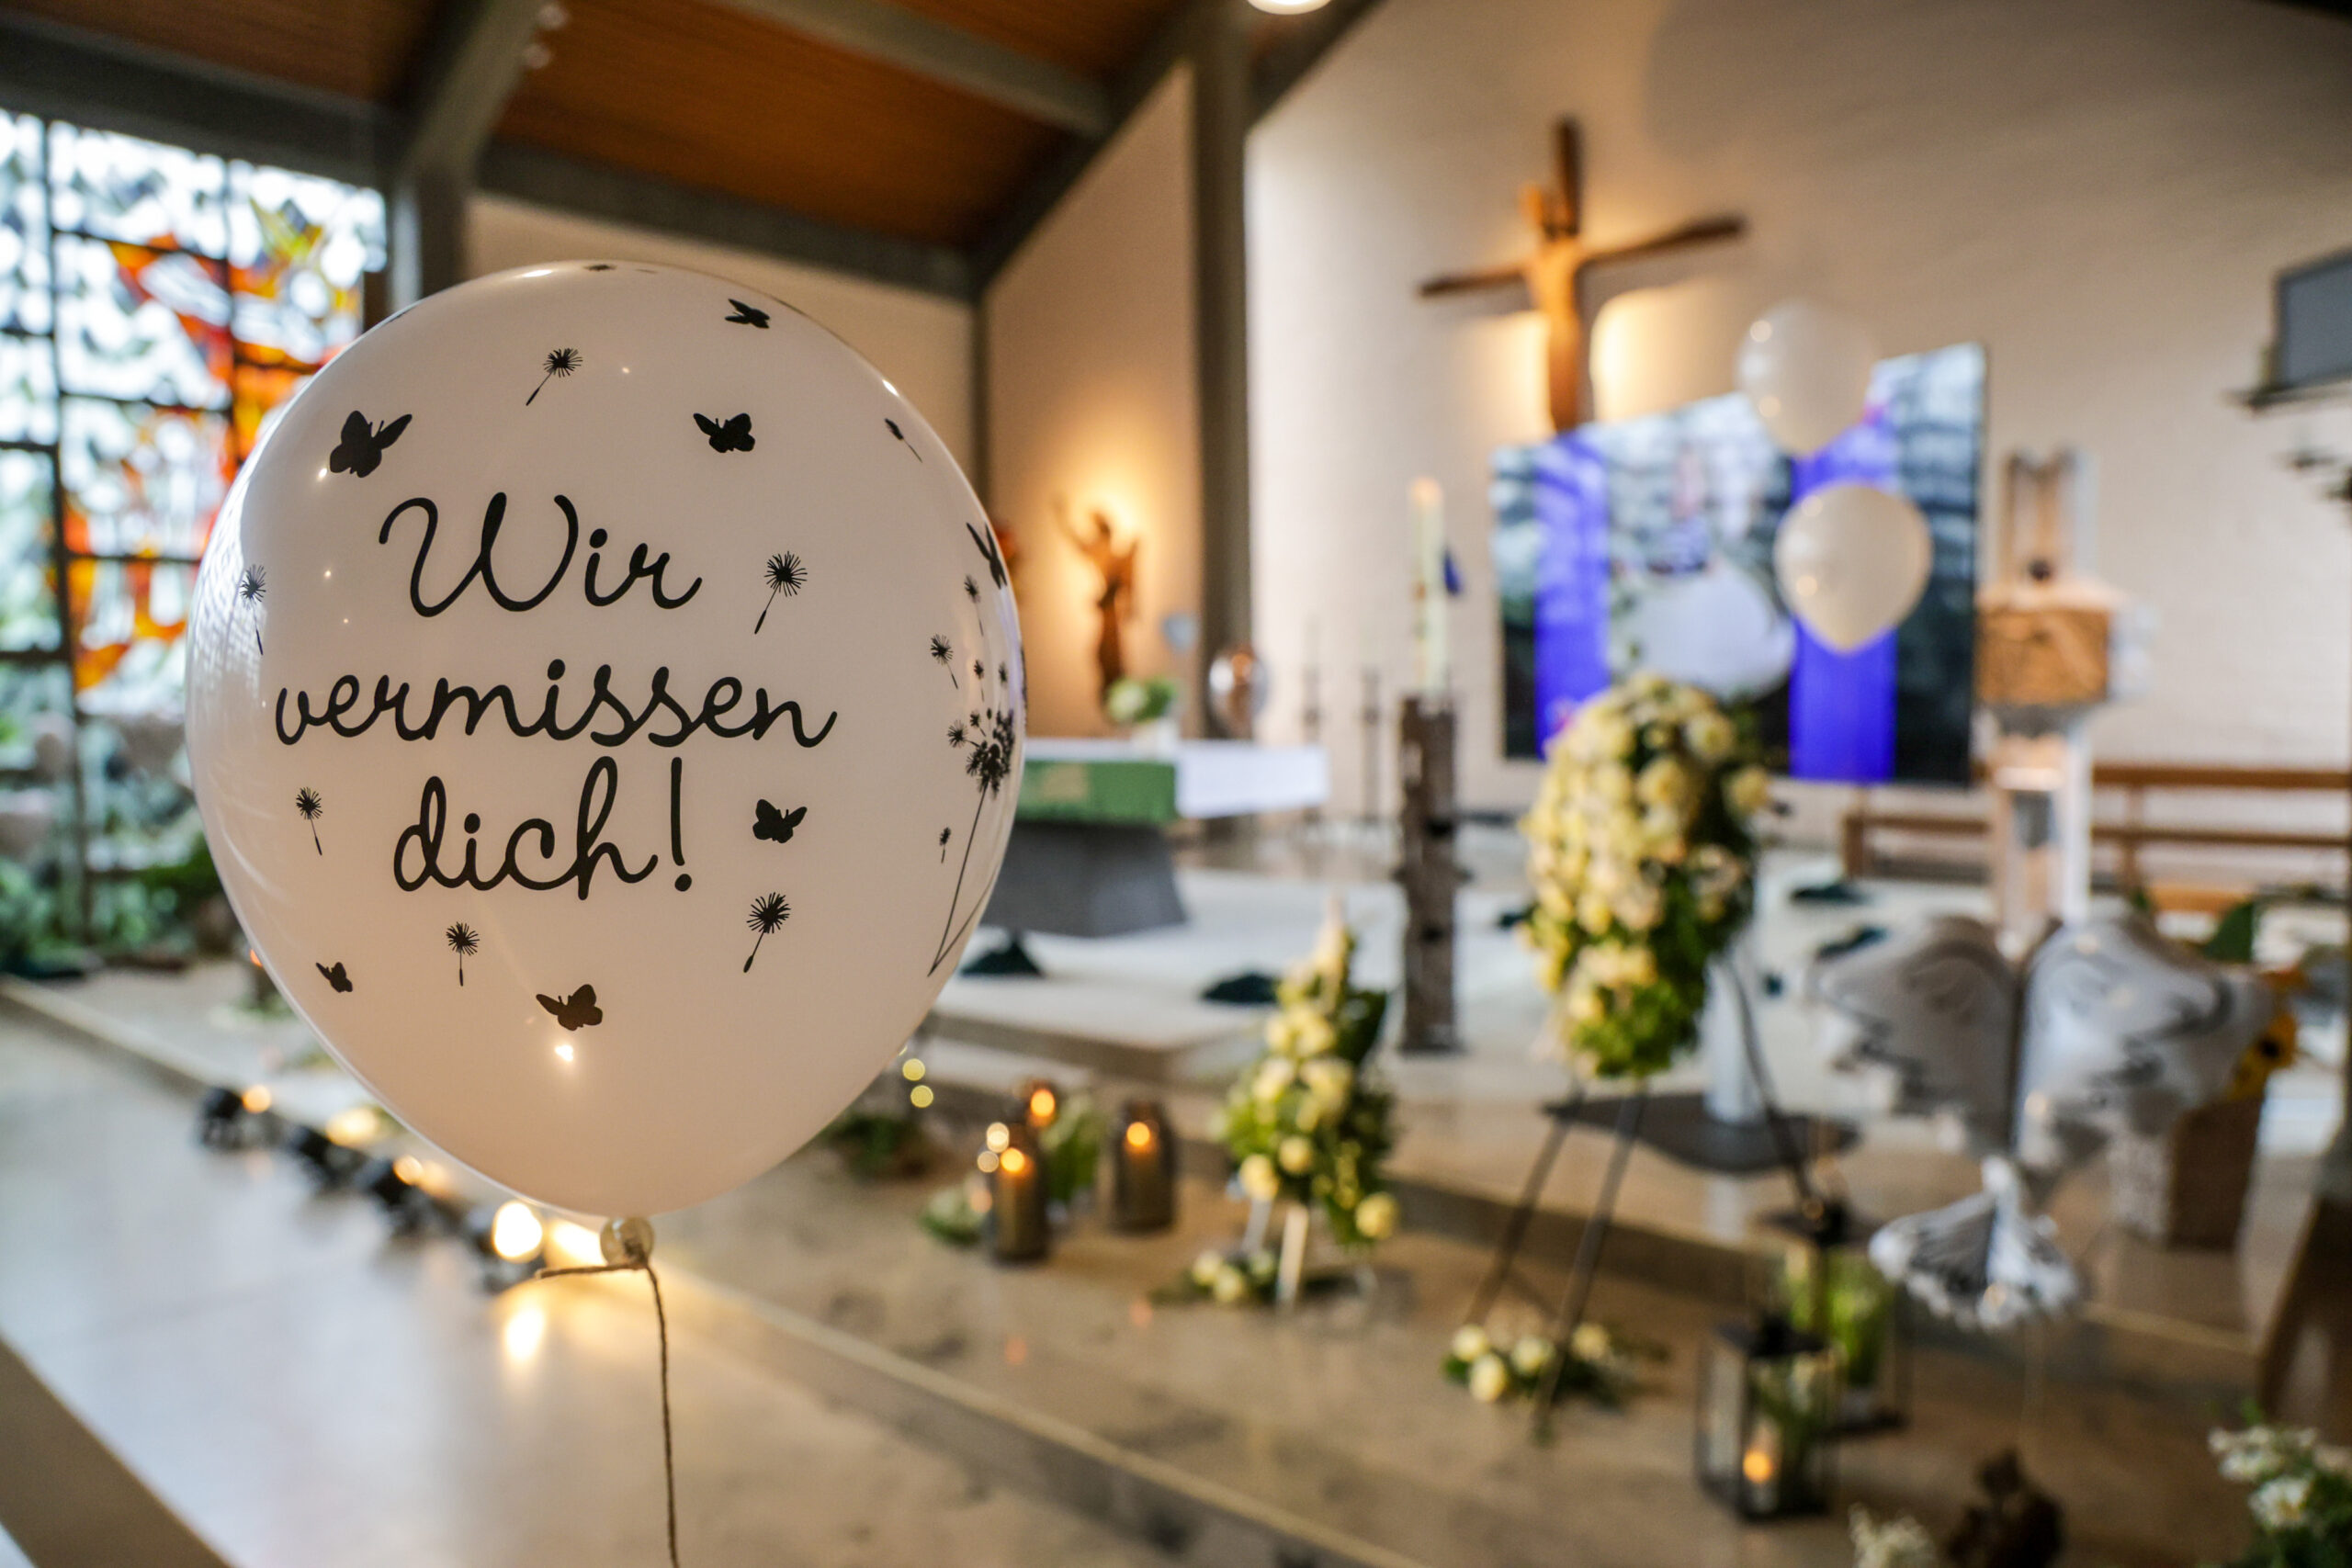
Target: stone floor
{"x": 304, "y": 1390}
{"x": 1338, "y": 1414}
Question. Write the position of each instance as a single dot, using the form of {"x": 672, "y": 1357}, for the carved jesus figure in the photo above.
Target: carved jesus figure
{"x": 1115, "y": 564}
{"x": 1554, "y": 274}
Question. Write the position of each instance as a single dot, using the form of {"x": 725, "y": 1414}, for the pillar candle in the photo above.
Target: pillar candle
{"x": 1432, "y": 665}
{"x": 1017, "y": 1198}
{"x": 1143, "y": 1169}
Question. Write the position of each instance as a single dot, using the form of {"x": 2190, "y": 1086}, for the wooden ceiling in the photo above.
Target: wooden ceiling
{"x": 361, "y": 49}
{"x": 942, "y": 128}
{"x": 710, "y": 97}
{"x": 1093, "y": 38}
{"x": 699, "y": 93}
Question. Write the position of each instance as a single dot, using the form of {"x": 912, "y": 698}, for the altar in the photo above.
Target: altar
{"x": 1090, "y": 854}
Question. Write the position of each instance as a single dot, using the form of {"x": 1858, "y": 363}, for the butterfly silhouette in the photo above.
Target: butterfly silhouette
{"x": 361, "y": 449}
{"x": 748, "y": 315}
{"x": 336, "y": 977}
{"x": 769, "y": 823}
{"x": 576, "y": 1011}
{"x": 735, "y": 436}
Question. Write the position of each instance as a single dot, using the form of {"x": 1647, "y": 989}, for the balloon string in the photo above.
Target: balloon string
{"x": 661, "y": 1322}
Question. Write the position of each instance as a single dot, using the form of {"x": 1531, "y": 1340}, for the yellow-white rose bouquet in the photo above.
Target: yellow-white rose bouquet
{"x": 1643, "y": 858}
{"x": 1308, "y": 1120}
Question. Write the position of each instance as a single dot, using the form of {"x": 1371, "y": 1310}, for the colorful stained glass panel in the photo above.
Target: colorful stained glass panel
{"x": 300, "y": 249}
{"x": 131, "y": 615}
{"x": 24, "y": 228}
{"x": 147, "y": 326}
{"x": 28, "y": 390}
{"x": 28, "y": 613}
{"x": 119, "y": 187}
{"x": 139, "y": 479}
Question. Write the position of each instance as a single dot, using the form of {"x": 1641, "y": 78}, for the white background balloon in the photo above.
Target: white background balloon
{"x": 1851, "y": 561}
{"x": 1807, "y": 369}
{"x": 490, "y": 491}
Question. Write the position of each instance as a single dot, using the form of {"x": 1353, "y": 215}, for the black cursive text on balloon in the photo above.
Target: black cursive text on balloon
{"x": 347, "y": 715}
{"x": 485, "y": 569}
{"x": 425, "y": 835}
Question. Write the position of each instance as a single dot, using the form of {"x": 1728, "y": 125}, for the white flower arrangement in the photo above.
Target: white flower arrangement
{"x": 1602, "y": 1364}
{"x": 1643, "y": 858}
{"x": 2302, "y": 1500}
{"x": 1307, "y": 1122}
{"x": 1900, "y": 1543}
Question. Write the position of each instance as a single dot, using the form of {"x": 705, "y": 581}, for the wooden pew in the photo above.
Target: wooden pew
{"x": 2133, "y": 831}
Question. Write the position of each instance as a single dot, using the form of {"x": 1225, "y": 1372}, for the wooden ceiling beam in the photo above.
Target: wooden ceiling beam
{"x": 470, "y": 67}
{"x": 922, "y": 47}
{"x": 1282, "y": 68}
{"x": 619, "y": 196}
{"x": 107, "y": 84}
{"x": 1044, "y": 189}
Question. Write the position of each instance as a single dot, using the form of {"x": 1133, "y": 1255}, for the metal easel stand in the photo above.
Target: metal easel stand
{"x": 1502, "y": 1271}
{"x": 1291, "y": 1267}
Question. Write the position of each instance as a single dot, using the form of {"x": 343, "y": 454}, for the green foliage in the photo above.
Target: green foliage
{"x": 874, "y": 1144}
{"x": 27, "y": 916}
{"x": 1133, "y": 701}
{"x": 188, "y": 881}
{"x": 1853, "y": 1307}
{"x": 1071, "y": 1147}
{"x": 949, "y": 1216}
{"x": 2233, "y": 934}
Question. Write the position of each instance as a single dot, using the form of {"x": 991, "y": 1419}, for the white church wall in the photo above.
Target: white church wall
{"x": 1092, "y": 405}
{"x": 921, "y": 342}
{"x": 2098, "y": 191}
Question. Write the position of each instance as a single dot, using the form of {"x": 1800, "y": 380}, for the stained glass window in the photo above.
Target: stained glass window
{"x": 155, "y": 305}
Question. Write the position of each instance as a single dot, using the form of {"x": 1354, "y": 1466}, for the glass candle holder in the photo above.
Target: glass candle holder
{"x": 1018, "y": 1229}
{"x": 1768, "y": 1419}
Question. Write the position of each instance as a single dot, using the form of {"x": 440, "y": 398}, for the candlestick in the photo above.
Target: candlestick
{"x": 1017, "y": 1196}
{"x": 1432, "y": 664}
{"x": 1143, "y": 1169}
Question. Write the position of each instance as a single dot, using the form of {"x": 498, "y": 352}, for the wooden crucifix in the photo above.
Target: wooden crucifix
{"x": 1553, "y": 276}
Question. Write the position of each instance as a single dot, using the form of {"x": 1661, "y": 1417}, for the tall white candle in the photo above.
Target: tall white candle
{"x": 1432, "y": 665}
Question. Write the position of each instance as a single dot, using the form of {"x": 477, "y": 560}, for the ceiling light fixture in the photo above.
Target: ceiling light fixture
{"x": 1287, "y": 8}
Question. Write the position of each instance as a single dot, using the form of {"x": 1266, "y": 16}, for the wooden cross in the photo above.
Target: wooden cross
{"x": 1553, "y": 276}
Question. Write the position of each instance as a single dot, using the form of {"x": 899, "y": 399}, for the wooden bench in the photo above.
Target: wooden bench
{"x": 2133, "y": 832}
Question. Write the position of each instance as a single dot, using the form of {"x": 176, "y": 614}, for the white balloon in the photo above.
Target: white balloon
{"x": 1807, "y": 370}
{"x": 637, "y": 653}
{"x": 1851, "y": 561}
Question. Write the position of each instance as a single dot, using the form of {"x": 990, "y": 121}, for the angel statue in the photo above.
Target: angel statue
{"x": 2110, "y": 1027}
